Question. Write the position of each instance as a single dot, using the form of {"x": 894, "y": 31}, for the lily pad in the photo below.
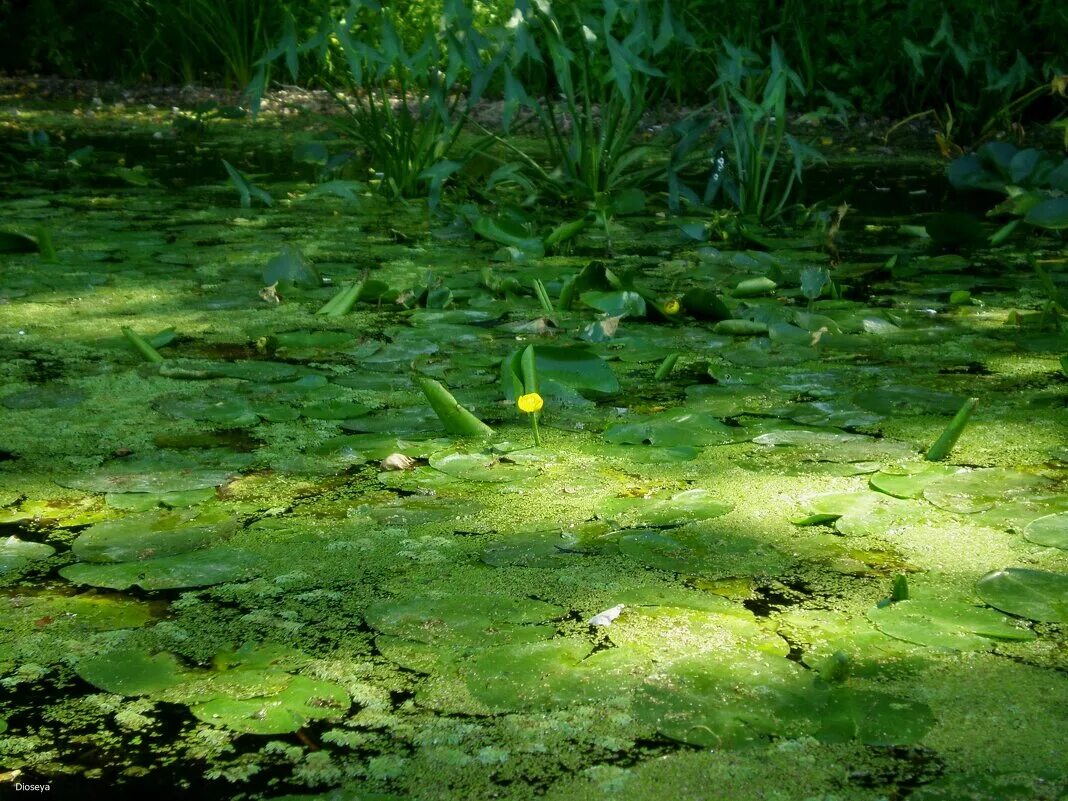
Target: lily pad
{"x": 147, "y": 536}
{"x": 685, "y": 507}
{"x": 690, "y": 550}
{"x": 15, "y": 554}
{"x": 1034, "y": 594}
{"x": 723, "y": 702}
{"x": 194, "y": 569}
{"x": 481, "y": 467}
{"x": 872, "y": 717}
{"x": 147, "y": 474}
{"x": 302, "y": 701}
{"x": 973, "y": 491}
{"x": 84, "y": 612}
{"x": 230, "y": 412}
{"x": 45, "y": 396}
{"x": 906, "y": 400}
{"x": 828, "y": 445}
{"x": 132, "y": 672}
{"x": 1051, "y": 531}
{"x": 575, "y": 368}
{"x": 539, "y": 675}
{"x": 676, "y": 428}
{"x": 464, "y": 618}
{"x": 909, "y": 480}
{"x": 945, "y": 624}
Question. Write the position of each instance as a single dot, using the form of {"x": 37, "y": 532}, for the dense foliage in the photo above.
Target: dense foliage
{"x": 972, "y": 63}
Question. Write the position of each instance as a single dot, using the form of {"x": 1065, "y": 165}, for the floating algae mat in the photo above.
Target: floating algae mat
{"x": 278, "y": 521}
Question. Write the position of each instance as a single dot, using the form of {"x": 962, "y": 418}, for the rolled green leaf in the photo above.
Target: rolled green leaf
{"x": 543, "y": 296}
{"x": 456, "y": 419}
{"x": 666, "y": 366}
{"x": 527, "y": 367}
{"x": 148, "y": 353}
{"x": 342, "y": 301}
{"x": 944, "y": 444}
{"x": 44, "y": 244}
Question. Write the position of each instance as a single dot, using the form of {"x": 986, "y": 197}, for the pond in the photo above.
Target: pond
{"x": 245, "y": 557}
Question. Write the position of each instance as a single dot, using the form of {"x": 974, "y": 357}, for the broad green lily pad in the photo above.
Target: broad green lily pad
{"x": 302, "y": 701}
{"x": 86, "y": 612}
{"x": 724, "y": 702}
{"x": 148, "y": 474}
{"x": 973, "y": 491}
{"x": 691, "y": 550}
{"x": 130, "y": 671}
{"x": 684, "y": 507}
{"x": 45, "y": 396}
{"x": 193, "y": 569}
{"x": 547, "y": 675}
{"x": 15, "y": 554}
{"x": 909, "y": 480}
{"x": 945, "y": 624}
{"x": 676, "y": 428}
{"x": 148, "y": 536}
{"x": 481, "y": 467}
{"x": 1034, "y": 594}
{"x": 452, "y": 618}
{"x": 1051, "y": 531}
{"x": 828, "y": 445}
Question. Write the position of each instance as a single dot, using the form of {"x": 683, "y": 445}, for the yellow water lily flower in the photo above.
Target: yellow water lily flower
{"x": 530, "y": 403}
{"x": 672, "y": 307}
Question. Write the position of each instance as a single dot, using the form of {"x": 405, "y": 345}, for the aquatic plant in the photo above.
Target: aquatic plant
{"x": 587, "y": 81}
{"x": 406, "y": 107}
{"x": 753, "y": 96}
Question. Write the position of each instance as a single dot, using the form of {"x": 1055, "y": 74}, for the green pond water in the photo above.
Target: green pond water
{"x": 211, "y": 588}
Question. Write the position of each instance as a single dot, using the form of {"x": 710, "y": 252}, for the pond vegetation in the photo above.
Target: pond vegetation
{"x": 497, "y": 429}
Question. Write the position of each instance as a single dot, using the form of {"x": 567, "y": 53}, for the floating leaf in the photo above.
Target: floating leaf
{"x": 972, "y": 491}
{"x": 45, "y": 396}
{"x": 685, "y": 507}
{"x": 575, "y": 368}
{"x": 303, "y": 700}
{"x": 724, "y": 702}
{"x": 1051, "y": 214}
{"x": 290, "y": 267}
{"x": 1051, "y": 530}
{"x": 131, "y": 672}
{"x": 481, "y": 467}
{"x": 675, "y": 428}
{"x": 15, "y": 554}
{"x": 1034, "y": 594}
{"x": 909, "y": 480}
{"x": 194, "y": 569}
{"x": 945, "y": 624}
{"x": 146, "y": 536}
{"x": 450, "y": 619}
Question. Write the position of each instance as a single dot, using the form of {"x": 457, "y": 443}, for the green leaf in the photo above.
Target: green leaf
{"x": 245, "y": 189}
{"x": 945, "y": 624}
{"x": 1051, "y": 531}
{"x": 1051, "y": 214}
{"x": 132, "y": 672}
{"x": 456, "y": 419}
{"x": 193, "y": 569}
{"x": 290, "y": 267}
{"x": 572, "y": 367}
{"x": 1034, "y": 594}
{"x": 616, "y": 304}
{"x": 508, "y": 232}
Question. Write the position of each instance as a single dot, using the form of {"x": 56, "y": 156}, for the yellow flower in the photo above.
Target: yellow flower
{"x": 530, "y": 403}
{"x": 672, "y": 307}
